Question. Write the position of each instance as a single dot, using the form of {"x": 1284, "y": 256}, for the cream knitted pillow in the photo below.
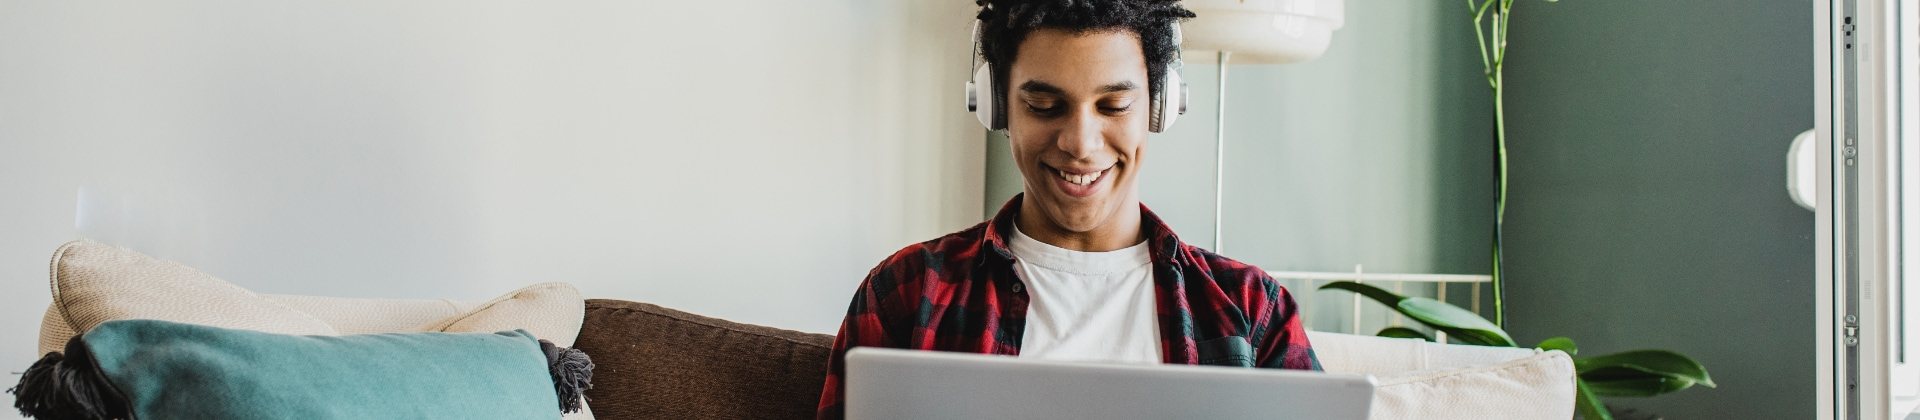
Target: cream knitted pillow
{"x": 550, "y": 311}
{"x": 94, "y": 283}
{"x": 374, "y": 316}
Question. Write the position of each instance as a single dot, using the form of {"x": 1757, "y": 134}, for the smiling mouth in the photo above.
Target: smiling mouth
{"x": 1083, "y": 179}
{"x": 1080, "y": 184}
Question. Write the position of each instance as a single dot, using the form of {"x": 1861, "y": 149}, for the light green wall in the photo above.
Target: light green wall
{"x": 1649, "y": 207}
{"x": 1375, "y": 154}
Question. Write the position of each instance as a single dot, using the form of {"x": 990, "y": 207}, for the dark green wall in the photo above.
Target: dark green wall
{"x": 1649, "y": 207}
{"x": 1649, "y": 201}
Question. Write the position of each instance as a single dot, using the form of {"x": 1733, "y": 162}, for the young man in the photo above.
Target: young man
{"x": 1075, "y": 268}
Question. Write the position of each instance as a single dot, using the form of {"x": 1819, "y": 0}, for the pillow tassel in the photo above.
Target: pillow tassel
{"x": 572, "y": 373}
{"x": 69, "y": 386}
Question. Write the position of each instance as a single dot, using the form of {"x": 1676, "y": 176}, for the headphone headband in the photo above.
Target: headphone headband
{"x": 992, "y": 110}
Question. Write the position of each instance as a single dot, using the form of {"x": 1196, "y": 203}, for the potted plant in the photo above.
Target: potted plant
{"x": 1636, "y": 373}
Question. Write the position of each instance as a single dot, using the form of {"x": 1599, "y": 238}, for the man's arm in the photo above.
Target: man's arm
{"x": 1284, "y": 340}
{"x": 862, "y": 328}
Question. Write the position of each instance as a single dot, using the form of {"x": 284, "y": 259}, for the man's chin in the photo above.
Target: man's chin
{"x": 1078, "y": 219}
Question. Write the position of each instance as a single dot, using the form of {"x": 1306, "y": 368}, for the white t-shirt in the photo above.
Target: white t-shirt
{"x": 1087, "y": 306}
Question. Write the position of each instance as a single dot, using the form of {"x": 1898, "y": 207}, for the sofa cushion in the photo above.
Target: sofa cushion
{"x": 1423, "y": 380}
{"x": 1348, "y": 353}
{"x": 159, "y": 370}
{"x": 94, "y": 283}
{"x": 551, "y": 311}
{"x": 657, "y": 363}
{"x": 374, "y": 316}
{"x": 1535, "y": 387}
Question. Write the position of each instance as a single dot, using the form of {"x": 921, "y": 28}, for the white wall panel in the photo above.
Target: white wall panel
{"x": 749, "y": 160}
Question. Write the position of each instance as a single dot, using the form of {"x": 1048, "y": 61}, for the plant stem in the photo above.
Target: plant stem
{"x": 1493, "y": 55}
{"x": 1500, "y": 207}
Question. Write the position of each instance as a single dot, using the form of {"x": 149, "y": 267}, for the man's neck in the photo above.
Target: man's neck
{"x": 1120, "y": 231}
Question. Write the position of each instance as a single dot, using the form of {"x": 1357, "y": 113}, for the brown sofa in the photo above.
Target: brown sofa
{"x": 658, "y": 363}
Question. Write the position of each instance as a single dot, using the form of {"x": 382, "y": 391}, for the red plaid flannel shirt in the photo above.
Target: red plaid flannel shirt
{"x": 959, "y": 293}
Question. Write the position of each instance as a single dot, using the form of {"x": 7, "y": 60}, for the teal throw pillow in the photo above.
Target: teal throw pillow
{"x": 147, "y": 369}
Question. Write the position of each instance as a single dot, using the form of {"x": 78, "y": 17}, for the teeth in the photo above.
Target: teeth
{"x": 1081, "y": 179}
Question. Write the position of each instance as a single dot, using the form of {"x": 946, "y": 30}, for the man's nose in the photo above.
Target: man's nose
{"x": 1082, "y": 137}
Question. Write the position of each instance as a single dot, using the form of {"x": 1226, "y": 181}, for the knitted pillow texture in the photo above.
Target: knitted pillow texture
{"x": 95, "y": 283}
{"x": 551, "y": 311}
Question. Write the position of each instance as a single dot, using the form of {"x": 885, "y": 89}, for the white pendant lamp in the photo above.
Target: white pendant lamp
{"x": 1256, "y": 32}
{"x": 1263, "y": 31}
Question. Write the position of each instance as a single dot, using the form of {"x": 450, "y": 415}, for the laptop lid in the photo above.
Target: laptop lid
{"x": 908, "y": 384}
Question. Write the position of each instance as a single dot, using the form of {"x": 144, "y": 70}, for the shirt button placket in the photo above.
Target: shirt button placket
{"x": 1018, "y": 288}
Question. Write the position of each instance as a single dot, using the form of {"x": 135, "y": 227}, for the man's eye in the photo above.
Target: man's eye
{"x": 1044, "y": 110}
{"x": 1115, "y": 110}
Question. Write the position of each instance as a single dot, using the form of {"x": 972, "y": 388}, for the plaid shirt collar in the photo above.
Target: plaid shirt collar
{"x": 1164, "y": 247}
{"x": 1211, "y": 310}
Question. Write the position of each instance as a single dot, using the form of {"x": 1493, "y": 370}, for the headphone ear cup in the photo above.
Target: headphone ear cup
{"x": 1169, "y": 103}
{"x": 1156, "y": 118}
{"x": 1184, "y": 93}
{"x": 986, "y": 99}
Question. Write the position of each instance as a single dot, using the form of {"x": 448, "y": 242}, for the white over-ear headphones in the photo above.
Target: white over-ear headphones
{"x": 989, "y": 104}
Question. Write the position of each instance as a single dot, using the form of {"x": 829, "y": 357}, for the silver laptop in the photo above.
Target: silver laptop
{"x": 907, "y": 384}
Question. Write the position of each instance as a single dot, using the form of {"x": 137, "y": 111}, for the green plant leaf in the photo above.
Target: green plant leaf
{"x": 1619, "y": 382}
{"x": 1589, "y": 405}
{"x": 1377, "y": 294}
{"x": 1559, "y": 343}
{"x": 1403, "y": 332}
{"x": 1460, "y": 324}
{"x": 1657, "y": 362}
{"x": 1457, "y": 322}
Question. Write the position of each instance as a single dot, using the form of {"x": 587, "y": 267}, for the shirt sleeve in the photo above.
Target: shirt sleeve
{"x": 861, "y": 327}
{"x": 1284, "y": 344}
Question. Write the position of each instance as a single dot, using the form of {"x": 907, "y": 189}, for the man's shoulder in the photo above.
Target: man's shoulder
{"x": 1227, "y": 271}
{"x": 963, "y": 244}
{"x": 935, "y": 256}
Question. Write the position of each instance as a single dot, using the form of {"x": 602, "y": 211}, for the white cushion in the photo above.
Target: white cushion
{"x": 1536, "y": 387}
{"x": 54, "y": 331}
{"x": 373, "y": 316}
{"x": 550, "y": 311}
{"x": 95, "y": 283}
{"x": 1349, "y": 353}
{"x": 1423, "y": 380}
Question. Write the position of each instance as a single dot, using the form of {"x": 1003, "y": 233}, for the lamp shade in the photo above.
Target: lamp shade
{"x": 1262, "y": 31}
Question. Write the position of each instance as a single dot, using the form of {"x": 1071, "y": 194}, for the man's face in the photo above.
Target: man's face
{"x": 1077, "y": 118}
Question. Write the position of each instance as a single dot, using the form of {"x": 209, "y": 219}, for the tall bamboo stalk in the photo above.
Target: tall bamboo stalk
{"x": 1492, "y": 37}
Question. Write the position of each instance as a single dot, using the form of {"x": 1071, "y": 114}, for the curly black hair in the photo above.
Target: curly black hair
{"x": 1004, "y": 24}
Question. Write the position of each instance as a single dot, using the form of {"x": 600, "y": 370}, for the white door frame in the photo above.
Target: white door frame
{"x": 1856, "y": 59}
